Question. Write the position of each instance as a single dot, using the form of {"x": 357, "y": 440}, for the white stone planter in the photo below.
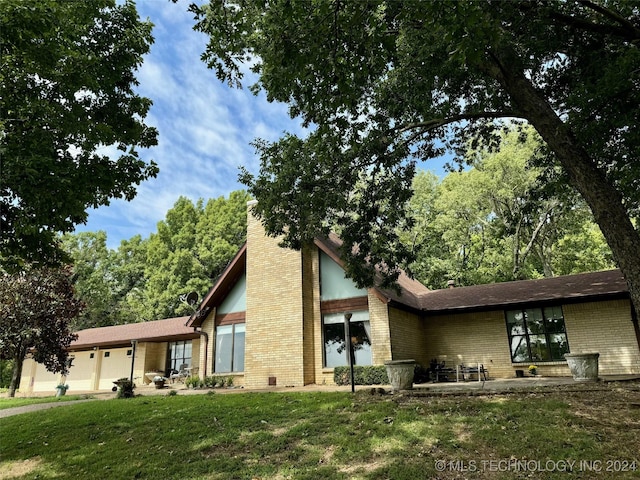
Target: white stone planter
{"x": 400, "y": 373}
{"x": 583, "y": 366}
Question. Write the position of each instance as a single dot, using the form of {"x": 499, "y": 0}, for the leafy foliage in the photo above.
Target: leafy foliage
{"x": 385, "y": 83}
{"x": 145, "y": 278}
{"x": 191, "y": 248}
{"x": 67, "y": 93}
{"x": 362, "y": 375}
{"x": 501, "y": 220}
{"x": 36, "y": 306}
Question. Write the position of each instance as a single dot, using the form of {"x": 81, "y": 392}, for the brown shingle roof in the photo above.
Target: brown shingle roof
{"x": 160, "y": 330}
{"x": 566, "y": 289}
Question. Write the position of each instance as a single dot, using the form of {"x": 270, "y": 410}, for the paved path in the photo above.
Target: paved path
{"x": 9, "y": 412}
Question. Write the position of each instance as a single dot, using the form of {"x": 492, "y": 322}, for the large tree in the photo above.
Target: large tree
{"x": 383, "y": 81}
{"x": 67, "y": 92}
{"x": 191, "y": 248}
{"x": 36, "y": 306}
{"x": 500, "y": 220}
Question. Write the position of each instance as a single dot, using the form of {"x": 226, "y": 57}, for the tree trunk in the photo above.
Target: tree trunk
{"x": 604, "y": 200}
{"x": 15, "y": 376}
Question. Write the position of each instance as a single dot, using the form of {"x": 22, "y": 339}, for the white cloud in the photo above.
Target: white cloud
{"x": 205, "y": 128}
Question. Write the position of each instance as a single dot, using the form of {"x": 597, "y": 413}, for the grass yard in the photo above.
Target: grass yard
{"x": 331, "y": 436}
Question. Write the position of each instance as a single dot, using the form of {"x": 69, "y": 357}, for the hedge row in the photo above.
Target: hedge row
{"x": 373, "y": 375}
{"x": 362, "y": 375}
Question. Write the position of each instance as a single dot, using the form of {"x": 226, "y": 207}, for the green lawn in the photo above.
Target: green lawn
{"x": 329, "y": 436}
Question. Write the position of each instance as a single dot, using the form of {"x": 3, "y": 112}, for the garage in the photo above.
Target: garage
{"x": 116, "y": 363}
{"x": 81, "y": 371}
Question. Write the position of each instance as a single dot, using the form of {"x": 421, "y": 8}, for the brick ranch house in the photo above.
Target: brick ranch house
{"x": 275, "y": 317}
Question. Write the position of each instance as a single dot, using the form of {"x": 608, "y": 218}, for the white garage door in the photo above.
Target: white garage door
{"x": 115, "y": 364}
{"x": 79, "y": 378}
{"x": 45, "y": 381}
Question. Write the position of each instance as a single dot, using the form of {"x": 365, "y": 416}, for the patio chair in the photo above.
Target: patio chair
{"x": 439, "y": 372}
{"x": 181, "y": 374}
{"x": 467, "y": 370}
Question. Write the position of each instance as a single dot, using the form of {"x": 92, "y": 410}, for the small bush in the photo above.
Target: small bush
{"x": 373, "y": 375}
{"x": 362, "y": 375}
{"x": 193, "y": 382}
{"x": 172, "y": 393}
{"x": 125, "y": 388}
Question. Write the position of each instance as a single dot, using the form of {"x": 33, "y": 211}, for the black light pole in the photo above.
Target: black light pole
{"x": 349, "y": 345}
{"x": 134, "y": 343}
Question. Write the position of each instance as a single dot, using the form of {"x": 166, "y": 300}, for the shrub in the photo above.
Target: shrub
{"x": 373, "y": 375}
{"x": 193, "y": 382}
{"x": 219, "y": 381}
{"x": 125, "y": 388}
{"x": 362, "y": 375}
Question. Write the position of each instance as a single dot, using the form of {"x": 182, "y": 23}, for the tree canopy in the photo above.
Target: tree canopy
{"x": 71, "y": 121}
{"x": 144, "y": 278}
{"x": 36, "y": 307}
{"x": 383, "y": 81}
{"x": 500, "y": 220}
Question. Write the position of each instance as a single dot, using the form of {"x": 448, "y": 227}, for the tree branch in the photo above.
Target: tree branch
{"x": 626, "y": 24}
{"x": 627, "y": 30}
{"x": 440, "y": 122}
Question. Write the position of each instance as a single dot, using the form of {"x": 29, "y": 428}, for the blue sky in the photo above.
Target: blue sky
{"x": 205, "y": 128}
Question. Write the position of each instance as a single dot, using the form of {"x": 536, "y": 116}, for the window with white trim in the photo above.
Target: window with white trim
{"x": 537, "y": 334}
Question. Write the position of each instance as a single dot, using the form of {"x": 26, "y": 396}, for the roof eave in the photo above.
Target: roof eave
{"x": 235, "y": 268}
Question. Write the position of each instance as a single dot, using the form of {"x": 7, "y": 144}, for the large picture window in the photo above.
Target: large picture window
{"x": 230, "y": 348}
{"x": 335, "y": 351}
{"x": 179, "y": 354}
{"x": 537, "y": 334}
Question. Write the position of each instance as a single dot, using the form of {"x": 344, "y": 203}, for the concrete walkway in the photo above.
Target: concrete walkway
{"x": 493, "y": 386}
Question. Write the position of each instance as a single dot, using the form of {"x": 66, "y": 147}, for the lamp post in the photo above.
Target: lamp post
{"x": 349, "y": 344}
{"x": 134, "y": 343}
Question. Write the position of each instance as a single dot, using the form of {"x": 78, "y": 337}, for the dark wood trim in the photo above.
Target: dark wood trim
{"x": 344, "y": 305}
{"x": 231, "y": 318}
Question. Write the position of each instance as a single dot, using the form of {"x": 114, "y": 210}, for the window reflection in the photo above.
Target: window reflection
{"x": 536, "y": 334}
{"x": 335, "y": 351}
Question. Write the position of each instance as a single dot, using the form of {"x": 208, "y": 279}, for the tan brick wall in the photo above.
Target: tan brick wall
{"x": 380, "y": 332}
{"x": 603, "y": 327}
{"x": 274, "y": 317}
{"x": 153, "y": 355}
{"x": 408, "y": 337}
{"x": 469, "y": 339}
{"x": 606, "y": 328}
{"x": 311, "y": 313}
{"x": 205, "y": 365}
